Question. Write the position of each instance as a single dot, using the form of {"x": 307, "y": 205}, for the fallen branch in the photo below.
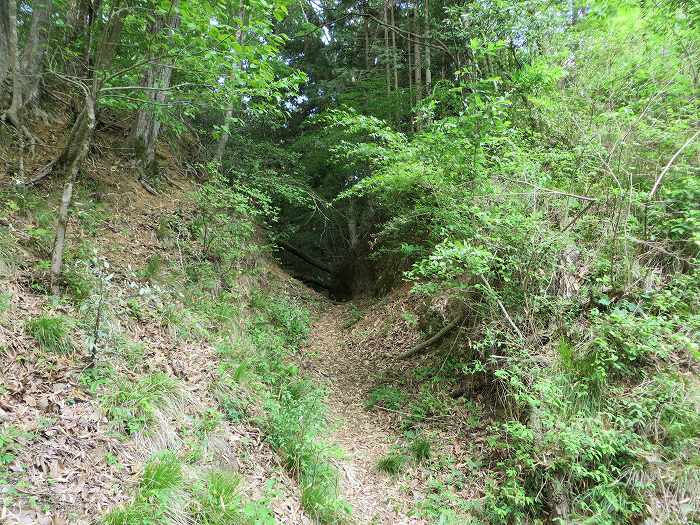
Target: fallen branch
{"x": 432, "y": 340}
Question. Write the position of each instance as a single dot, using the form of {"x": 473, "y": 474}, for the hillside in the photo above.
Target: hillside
{"x": 430, "y": 262}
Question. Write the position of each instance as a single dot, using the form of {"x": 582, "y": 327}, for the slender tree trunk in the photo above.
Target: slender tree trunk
{"x": 417, "y": 59}
{"x": 394, "y": 51}
{"x": 386, "y": 47}
{"x": 13, "y": 112}
{"x": 35, "y": 51}
{"x": 366, "y": 30}
{"x": 409, "y": 62}
{"x": 225, "y": 136}
{"x": 79, "y": 142}
{"x": 426, "y": 34}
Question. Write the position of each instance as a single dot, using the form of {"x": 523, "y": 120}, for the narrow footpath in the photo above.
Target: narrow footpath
{"x": 364, "y": 436}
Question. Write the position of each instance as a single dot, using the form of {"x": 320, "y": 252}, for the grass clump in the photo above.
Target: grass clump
{"x": 392, "y": 463}
{"x": 218, "y": 501}
{"x": 131, "y": 405}
{"x": 51, "y": 332}
{"x": 162, "y": 476}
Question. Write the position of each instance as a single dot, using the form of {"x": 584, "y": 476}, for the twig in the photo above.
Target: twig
{"x": 670, "y": 162}
{"x": 556, "y": 192}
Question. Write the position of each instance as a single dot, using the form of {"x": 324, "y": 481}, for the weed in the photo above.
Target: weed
{"x": 133, "y": 308}
{"x": 387, "y": 397}
{"x": 161, "y": 475}
{"x": 5, "y": 302}
{"x": 208, "y": 422}
{"x": 51, "y": 332}
{"x": 131, "y": 405}
{"x": 9, "y": 252}
{"x": 392, "y": 463}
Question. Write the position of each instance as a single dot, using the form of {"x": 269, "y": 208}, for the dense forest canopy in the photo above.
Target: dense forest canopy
{"x": 529, "y": 169}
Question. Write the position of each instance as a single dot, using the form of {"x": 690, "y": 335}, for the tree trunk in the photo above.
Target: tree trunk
{"x": 4, "y": 43}
{"x": 80, "y": 138}
{"x": 225, "y": 135}
{"x": 13, "y": 112}
{"x": 426, "y": 34}
{"x": 417, "y": 59}
{"x": 386, "y": 47}
{"x": 157, "y": 79}
{"x": 70, "y": 161}
{"x": 35, "y": 51}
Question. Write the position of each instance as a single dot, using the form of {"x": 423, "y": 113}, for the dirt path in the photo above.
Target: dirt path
{"x": 365, "y": 436}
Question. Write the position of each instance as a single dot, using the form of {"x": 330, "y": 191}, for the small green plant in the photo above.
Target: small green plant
{"x": 392, "y": 463}
{"x": 387, "y": 397}
{"x": 131, "y": 405}
{"x": 162, "y": 476}
{"x": 421, "y": 448}
{"x": 208, "y": 422}
{"x": 219, "y": 501}
{"x": 5, "y": 302}
{"x": 133, "y": 308}
{"x": 51, "y": 332}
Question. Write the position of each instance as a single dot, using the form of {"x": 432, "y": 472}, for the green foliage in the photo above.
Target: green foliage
{"x": 131, "y": 404}
{"x": 51, "y": 332}
{"x": 294, "y": 411}
{"x": 421, "y": 448}
{"x": 153, "y": 267}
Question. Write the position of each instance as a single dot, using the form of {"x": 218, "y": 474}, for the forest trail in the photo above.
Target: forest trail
{"x": 364, "y": 436}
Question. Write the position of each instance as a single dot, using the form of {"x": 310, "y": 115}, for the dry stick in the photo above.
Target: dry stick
{"x": 503, "y": 308}
{"x": 425, "y": 344}
{"x": 670, "y": 162}
{"x": 555, "y": 192}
